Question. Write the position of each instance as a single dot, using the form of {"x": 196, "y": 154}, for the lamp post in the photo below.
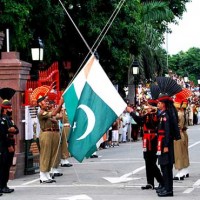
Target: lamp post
{"x": 198, "y": 81}
{"x": 135, "y": 66}
{"x": 186, "y": 80}
{"x": 37, "y": 52}
{"x": 166, "y": 75}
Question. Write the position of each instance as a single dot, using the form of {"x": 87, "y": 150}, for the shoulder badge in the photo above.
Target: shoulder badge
{"x": 164, "y": 119}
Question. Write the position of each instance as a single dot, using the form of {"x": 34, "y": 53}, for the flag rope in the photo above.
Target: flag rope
{"x": 115, "y": 13}
{"x": 104, "y": 30}
{"x": 75, "y": 26}
{"x": 101, "y": 35}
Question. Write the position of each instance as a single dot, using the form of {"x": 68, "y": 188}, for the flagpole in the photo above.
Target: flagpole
{"x": 167, "y": 47}
{"x": 120, "y": 5}
{"x": 113, "y": 16}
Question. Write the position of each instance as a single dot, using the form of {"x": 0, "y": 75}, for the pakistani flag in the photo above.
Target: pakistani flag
{"x": 92, "y": 105}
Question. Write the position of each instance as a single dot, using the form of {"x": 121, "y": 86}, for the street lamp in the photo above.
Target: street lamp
{"x": 135, "y": 66}
{"x": 198, "y": 81}
{"x": 186, "y": 80}
{"x": 37, "y": 50}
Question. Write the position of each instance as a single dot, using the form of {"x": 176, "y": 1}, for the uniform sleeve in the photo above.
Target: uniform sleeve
{"x": 138, "y": 119}
{"x": 4, "y": 134}
{"x": 17, "y": 130}
{"x": 166, "y": 128}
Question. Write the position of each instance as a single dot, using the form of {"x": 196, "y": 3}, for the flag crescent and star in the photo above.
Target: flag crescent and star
{"x": 91, "y": 120}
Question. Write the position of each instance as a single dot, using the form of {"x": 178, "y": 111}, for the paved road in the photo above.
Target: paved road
{"x": 117, "y": 174}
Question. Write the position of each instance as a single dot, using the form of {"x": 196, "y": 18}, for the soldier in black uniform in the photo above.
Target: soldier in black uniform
{"x": 3, "y": 154}
{"x": 167, "y": 131}
{"x": 7, "y": 143}
{"x": 149, "y": 122}
{"x": 165, "y": 151}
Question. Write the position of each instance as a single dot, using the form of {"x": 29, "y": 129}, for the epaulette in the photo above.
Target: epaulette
{"x": 43, "y": 112}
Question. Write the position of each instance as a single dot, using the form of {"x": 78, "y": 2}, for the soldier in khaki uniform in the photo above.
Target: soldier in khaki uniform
{"x": 64, "y": 137}
{"x": 62, "y": 149}
{"x": 181, "y": 146}
{"x": 54, "y": 170}
{"x": 49, "y": 138}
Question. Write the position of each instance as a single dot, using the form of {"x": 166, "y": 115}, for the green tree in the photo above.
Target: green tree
{"x": 186, "y": 63}
{"x": 28, "y": 20}
{"x": 137, "y": 30}
{"x": 15, "y": 16}
{"x": 155, "y": 16}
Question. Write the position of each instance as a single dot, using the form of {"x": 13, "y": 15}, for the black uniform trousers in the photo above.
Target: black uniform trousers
{"x": 4, "y": 169}
{"x": 6, "y": 160}
{"x": 167, "y": 171}
{"x": 166, "y": 161}
{"x": 152, "y": 170}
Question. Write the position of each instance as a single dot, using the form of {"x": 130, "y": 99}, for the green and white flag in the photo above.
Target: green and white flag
{"x": 92, "y": 105}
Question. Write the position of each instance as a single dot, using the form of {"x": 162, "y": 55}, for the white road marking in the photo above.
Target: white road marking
{"x": 124, "y": 178}
{"x": 54, "y": 185}
{"x": 134, "y": 172}
{"x": 195, "y": 185}
{"x": 196, "y": 143}
{"x": 77, "y": 197}
{"x": 120, "y": 159}
{"x": 189, "y": 190}
{"x": 119, "y": 179}
{"x": 29, "y": 182}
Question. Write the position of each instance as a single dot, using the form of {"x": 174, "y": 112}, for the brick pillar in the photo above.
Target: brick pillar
{"x": 14, "y": 74}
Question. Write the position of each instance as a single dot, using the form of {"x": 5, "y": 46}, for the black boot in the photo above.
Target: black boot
{"x": 176, "y": 178}
{"x": 160, "y": 189}
{"x": 147, "y": 187}
{"x": 166, "y": 193}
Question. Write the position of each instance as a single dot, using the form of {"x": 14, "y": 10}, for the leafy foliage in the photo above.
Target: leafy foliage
{"x": 137, "y": 30}
{"x": 186, "y": 63}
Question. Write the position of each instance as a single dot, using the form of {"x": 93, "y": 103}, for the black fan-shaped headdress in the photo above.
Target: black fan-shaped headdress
{"x": 168, "y": 88}
{"x": 7, "y": 93}
{"x": 155, "y": 91}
